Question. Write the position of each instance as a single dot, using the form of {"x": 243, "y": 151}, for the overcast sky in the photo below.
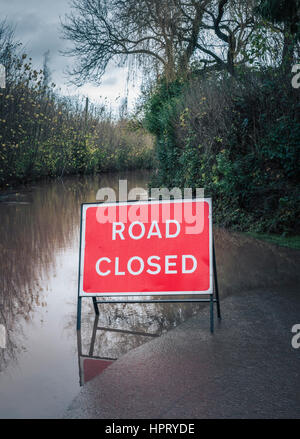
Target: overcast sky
{"x": 37, "y": 25}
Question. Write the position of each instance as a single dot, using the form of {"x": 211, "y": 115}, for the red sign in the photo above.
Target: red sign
{"x": 92, "y": 367}
{"x": 146, "y": 248}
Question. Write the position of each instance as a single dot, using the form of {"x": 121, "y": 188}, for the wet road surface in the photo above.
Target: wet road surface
{"x": 246, "y": 369}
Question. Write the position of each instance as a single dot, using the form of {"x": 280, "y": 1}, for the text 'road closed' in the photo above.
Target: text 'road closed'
{"x": 158, "y": 256}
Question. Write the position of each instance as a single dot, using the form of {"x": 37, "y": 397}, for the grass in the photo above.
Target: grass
{"x": 283, "y": 241}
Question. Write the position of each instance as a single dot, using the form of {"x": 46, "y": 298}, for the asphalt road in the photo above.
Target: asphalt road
{"x": 246, "y": 369}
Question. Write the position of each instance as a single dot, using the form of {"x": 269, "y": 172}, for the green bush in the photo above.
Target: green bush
{"x": 236, "y": 138}
{"x": 44, "y": 134}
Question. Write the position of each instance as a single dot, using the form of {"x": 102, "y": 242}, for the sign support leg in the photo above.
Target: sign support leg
{"x": 79, "y": 350}
{"x": 79, "y": 313}
{"x": 216, "y": 283}
{"x": 211, "y": 313}
{"x": 92, "y": 344}
{"x": 95, "y": 306}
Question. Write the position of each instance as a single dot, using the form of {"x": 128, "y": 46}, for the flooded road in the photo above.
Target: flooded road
{"x": 40, "y": 368}
{"x": 44, "y": 362}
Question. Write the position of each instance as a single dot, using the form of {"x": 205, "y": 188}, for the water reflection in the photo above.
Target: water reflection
{"x": 37, "y": 223}
{"x": 118, "y": 328}
{"x": 39, "y": 231}
{"x": 92, "y": 363}
{"x": 39, "y": 240}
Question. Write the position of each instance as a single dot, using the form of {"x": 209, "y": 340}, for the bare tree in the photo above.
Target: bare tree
{"x": 162, "y": 35}
{"x": 227, "y": 28}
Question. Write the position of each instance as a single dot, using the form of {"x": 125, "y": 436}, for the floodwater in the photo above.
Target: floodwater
{"x": 44, "y": 362}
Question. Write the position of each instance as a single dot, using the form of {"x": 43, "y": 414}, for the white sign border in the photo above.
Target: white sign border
{"x": 84, "y": 208}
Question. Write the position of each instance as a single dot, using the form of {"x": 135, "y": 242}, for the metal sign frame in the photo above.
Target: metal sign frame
{"x": 212, "y": 292}
{"x": 90, "y": 355}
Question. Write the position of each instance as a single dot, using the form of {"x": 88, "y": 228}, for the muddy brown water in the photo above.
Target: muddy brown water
{"x": 40, "y": 370}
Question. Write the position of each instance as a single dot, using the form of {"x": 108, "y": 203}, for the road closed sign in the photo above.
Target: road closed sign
{"x": 146, "y": 248}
